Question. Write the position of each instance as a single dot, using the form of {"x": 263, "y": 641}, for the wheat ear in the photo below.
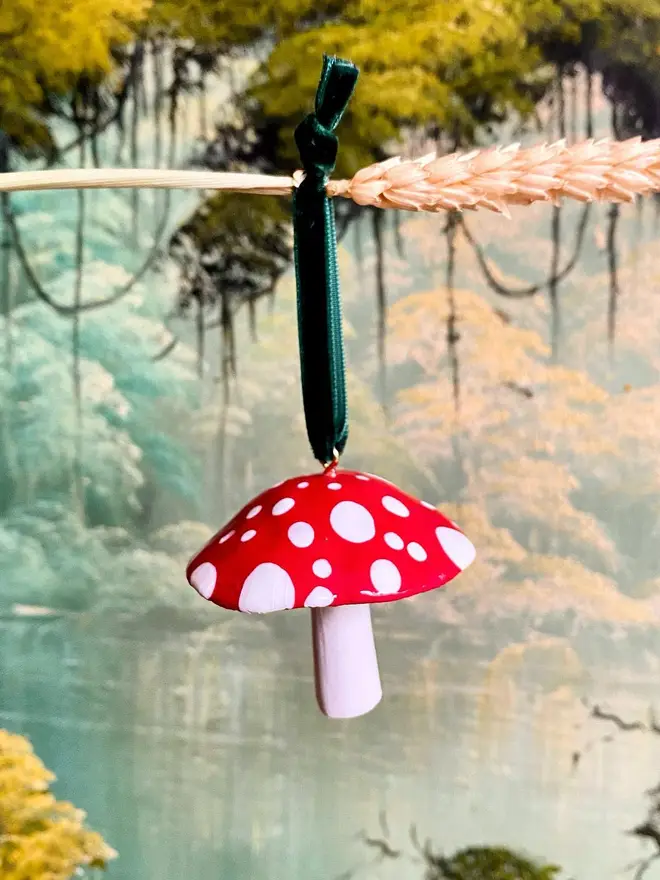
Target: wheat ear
{"x": 495, "y": 178}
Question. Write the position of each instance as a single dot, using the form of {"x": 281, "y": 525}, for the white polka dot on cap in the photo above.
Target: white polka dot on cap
{"x": 267, "y": 588}
{"x": 301, "y": 534}
{"x": 203, "y": 579}
{"x": 457, "y": 547}
{"x": 385, "y": 577}
{"x": 322, "y": 568}
{"x": 320, "y": 597}
{"x": 398, "y": 508}
{"x": 352, "y": 522}
{"x": 394, "y": 541}
{"x": 283, "y": 506}
{"x": 416, "y": 551}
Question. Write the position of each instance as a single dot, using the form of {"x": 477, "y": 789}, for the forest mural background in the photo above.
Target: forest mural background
{"x": 506, "y": 371}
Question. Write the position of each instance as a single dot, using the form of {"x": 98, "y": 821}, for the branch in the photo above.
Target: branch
{"x": 68, "y": 310}
{"x": 385, "y": 851}
{"x": 626, "y": 726}
{"x": 621, "y": 725}
{"x": 532, "y": 289}
{"x": 647, "y": 831}
{"x": 167, "y": 349}
{"x": 643, "y": 867}
{"x": 522, "y": 390}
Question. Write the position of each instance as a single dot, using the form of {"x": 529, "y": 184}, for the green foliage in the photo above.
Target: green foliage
{"x": 449, "y": 68}
{"x": 251, "y": 240}
{"x": 487, "y": 863}
{"x": 40, "y": 837}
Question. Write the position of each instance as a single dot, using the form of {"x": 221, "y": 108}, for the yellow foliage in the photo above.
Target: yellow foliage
{"x": 449, "y": 65}
{"x": 538, "y": 491}
{"x": 558, "y": 584}
{"x": 550, "y": 662}
{"x": 209, "y": 22}
{"x": 576, "y": 386}
{"x": 40, "y": 837}
{"x": 517, "y": 416}
{"x": 496, "y": 545}
{"x": 501, "y": 352}
{"x": 554, "y": 660}
{"x": 493, "y": 356}
{"x": 425, "y": 62}
{"x": 45, "y": 45}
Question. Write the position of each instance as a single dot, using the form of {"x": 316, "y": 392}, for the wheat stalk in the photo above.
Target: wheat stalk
{"x": 144, "y": 178}
{"x": 493, "y": 178}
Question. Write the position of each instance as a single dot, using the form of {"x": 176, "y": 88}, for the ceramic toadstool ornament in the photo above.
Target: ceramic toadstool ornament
{"x": 335, "y": 542}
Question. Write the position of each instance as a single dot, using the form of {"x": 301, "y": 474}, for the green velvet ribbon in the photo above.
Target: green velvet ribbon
{"x": 320, "y": 333}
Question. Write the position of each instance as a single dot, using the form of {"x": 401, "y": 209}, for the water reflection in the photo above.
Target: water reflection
{"x": 204, "y": 752}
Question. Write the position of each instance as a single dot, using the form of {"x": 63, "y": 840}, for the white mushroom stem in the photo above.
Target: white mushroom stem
{"x": 345, "y": 661}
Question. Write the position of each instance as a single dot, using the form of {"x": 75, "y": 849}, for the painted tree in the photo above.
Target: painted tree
{"x": 514, "y": 410}
{"x": 96, "y": 460}
{"x": 531, "y": 450}
{"x": 46, "y": 48}
{"x": 469, "y": 863}
{"x": 487, "y": 863}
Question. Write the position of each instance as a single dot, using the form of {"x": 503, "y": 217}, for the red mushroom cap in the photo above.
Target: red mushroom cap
{"x": 333, "y": 538}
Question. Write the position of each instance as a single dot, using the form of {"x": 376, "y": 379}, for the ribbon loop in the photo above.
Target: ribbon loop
{"x": 320, "y": 332}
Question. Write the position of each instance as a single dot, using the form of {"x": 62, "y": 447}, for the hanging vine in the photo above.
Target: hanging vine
{"x": 76, "y": 376}
{"x": 452, "y": 336}
{"x": 68, "y": 310}
{"x": 136, "y": 94}
{"x": 555, "y": 228}
{"x": 573, "y": 112}
{"x": 6, "y": 285}
{"x": 381, "y": 301}
{"x": 553, "y": 284}
{"x": 613, "y": 215}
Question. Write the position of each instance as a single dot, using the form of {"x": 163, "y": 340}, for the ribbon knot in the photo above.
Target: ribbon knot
{"x": 317, "y": 146}
{"x": 320, "y": 333}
